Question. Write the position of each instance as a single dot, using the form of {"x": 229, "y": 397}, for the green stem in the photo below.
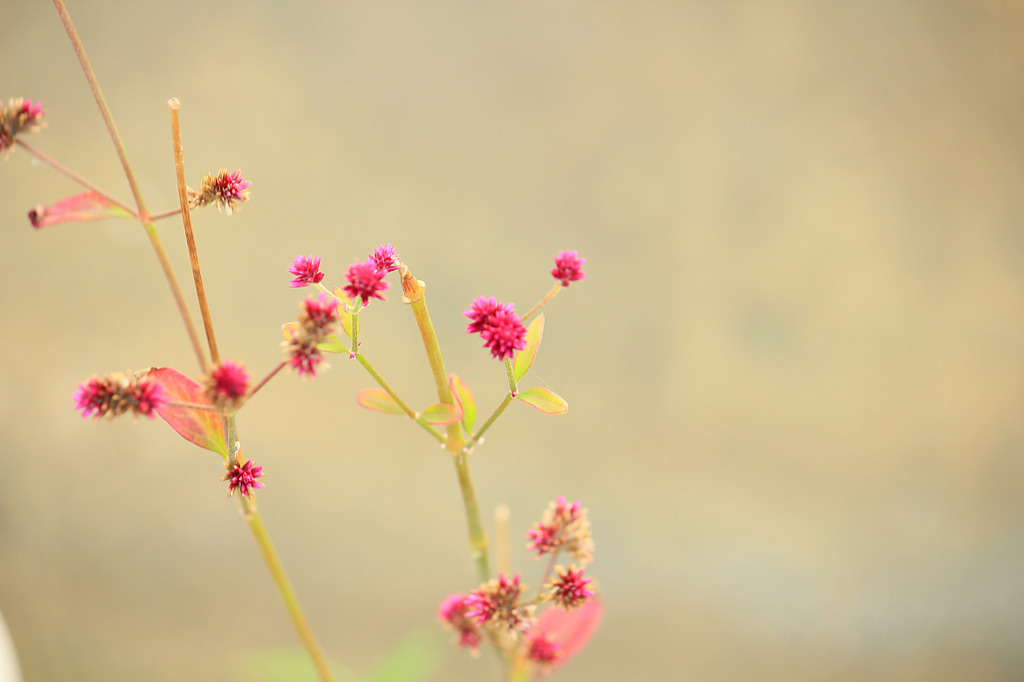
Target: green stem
{"x": 413, "y": 294}
{"x": 487, "y": 424}
{"x": 284, "y": 586}
{"x": 411, "y": 413}
{"x": 543, "y": 302}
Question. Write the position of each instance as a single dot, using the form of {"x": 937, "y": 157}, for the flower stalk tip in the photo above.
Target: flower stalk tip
{"x": 117, "y": 394}
{"x": 306, "y": 270}
{"x": 226, "y": 190}
{"x": 568, "y": 267}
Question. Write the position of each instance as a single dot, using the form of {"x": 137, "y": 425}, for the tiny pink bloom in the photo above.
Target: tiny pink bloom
{"x": 564, "y": 527}
{"x": 385, "y": 258}
{"x": 227, "y": 384}
{"x": 497, "y": 602}
{"x": 306, "y": 270}
{"x": 365, "y": 281}
{"x": 318, "y": 320}
{"x": 224, "y": 189}
{"x": 568, "y": 588}
{"x": 116, "y": 394}
{"x": 568, "y": 267}
{"x": 504, "y": 334}
{"x": 19, "y": 116}
{"x": 544, "y": 649}
{"x": 243, "y": 477}
{"x": 481, "y": 311}
{"x": 452, "y": 613}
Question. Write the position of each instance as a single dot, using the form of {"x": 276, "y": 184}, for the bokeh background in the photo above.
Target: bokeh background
{"x": 794, "y": 369}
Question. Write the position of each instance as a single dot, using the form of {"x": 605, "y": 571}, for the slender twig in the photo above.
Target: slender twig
{"x": 76, "y": 43}
{"x": 543, "y": 302}
{"x": 76, "y": 177}
{"x": 478, "y": 436}
{"x": 165, "y": 214}
{"x": 264, "y": 380}
{"x": 186, "y": 218}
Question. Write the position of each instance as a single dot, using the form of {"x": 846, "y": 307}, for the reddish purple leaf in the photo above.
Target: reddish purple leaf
{"x": 80, "y": 207}
{"x": 202, "y": 427}
{"x": 572, "y": 629}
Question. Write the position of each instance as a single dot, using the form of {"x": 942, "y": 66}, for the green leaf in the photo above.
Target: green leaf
{"x": 378, "y": 400}
{"x": 202, "y": 427}
{"x": 441, "y": 413}
{"x": 544, "y": 400}
{"x": 83, "y": 207}
{"x": 524, "y": 358}
{"x": 464, "y": 397}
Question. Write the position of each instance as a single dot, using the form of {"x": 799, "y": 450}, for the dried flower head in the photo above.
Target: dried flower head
{"x": 318, "y": 320}
{"x": 498, "y": 325}
{"x": 568, "y": 588}
{"x": 385, "y": 258}
{"x": 225, "y": 189}
{"x": 568, "y": 267}
{"x": 496, "y": 603}
{"x": 452, "y": 613}
{"x": 306, "y": 270}
{"x": 242, "y": 476}
{"x": 227, "y": 384}
{"x": 365, "y": 281}
{"x": 16, "y": 117}
{"x": 564, "y": 528}
{"x": 116, "y": 394}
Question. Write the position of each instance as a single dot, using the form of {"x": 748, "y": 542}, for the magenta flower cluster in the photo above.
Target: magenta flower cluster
{"x": 117, "y": 394}
{"x": 498, "y": 325}
{"x": 227, "y": 384}
{"x": 317, "y": 322}
{"x": 243, "y": 477}
{"x": 306, "y": 270}
{"x": 568, "y": 267}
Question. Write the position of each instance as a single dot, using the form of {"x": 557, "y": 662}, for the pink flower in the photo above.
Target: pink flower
{"x": 568, "y": 588}
{"x": 498, "y": 325}
{"x": 544, "y": 649}
{"x": 225, "y": 189}
{"x": 365, "y": 281}
{"x": 227, "y": 384}
{"x": 116, "y": 394}
{"x": 385, "y": 258}
{"x": 497, "y": 602}
{"x": 564, "y": 527}
{"x": 318, "y": 320}
{"x": 306, "y": 270}
{"x": 243, "y": 477}
{"x": 452, "y": 613}
{"x": 568, "y": 267}
{"x": 19, "y": 116}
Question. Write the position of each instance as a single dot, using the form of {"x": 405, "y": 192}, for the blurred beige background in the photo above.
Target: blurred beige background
{"x": 794, "y": 368}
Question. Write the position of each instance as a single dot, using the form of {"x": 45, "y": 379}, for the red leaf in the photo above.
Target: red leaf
{"x": 85, "y": 206}
{"x": 572, "y": 629}
{"x": 202, "y": 427}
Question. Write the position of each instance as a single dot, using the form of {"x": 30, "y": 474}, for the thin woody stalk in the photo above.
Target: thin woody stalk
{"x": 186, "y": 218}
{"x": 142, "y": 212}
{"x": 413, "y": 294}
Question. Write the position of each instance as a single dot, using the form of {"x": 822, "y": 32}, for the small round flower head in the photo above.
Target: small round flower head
{"x": 504, "y": 334}
{"x": 116, "y": 394}
{"x": 242, "y": 476}
{"x": 306, "y": 270}
{"x": 543, "y": 650}
{"x": 498, "y": 325}
{"x": 318, "y": 320}
{"x": 365, "y": 281}
{"x": 496, "y": 602}
{"x": 568, "y": 588}
{"x": 385, "y": 258}
{"x": 565, "y": 528}
{"x": 452, "y": 613}
{"x": 227, "y": 384}
{"x": 19, "y": 116}
{"x": 224, "y": 189}
{"x": 568, "y": 267}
